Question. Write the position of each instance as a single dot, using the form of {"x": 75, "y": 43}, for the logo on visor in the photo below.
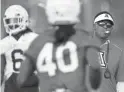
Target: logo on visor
{"x": 106, "y": 15}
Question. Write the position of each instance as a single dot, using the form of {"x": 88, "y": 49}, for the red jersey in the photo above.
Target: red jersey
{"x": 61, "y": 66}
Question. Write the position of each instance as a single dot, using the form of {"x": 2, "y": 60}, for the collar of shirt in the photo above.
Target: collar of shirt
{"x": 105, "y": 46}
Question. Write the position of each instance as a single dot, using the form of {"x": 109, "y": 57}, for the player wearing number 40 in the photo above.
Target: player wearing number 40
{"x": 61, "y": 54}
{"x": 16, "y": 21}
{"x": 111, "y": 57}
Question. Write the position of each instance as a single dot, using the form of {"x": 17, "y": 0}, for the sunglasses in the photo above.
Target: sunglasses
{"x": 105, "y": 24}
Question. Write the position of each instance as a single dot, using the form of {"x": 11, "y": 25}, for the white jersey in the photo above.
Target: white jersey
{"x": 6, "y": 44}
{"x": 15, "y": 56}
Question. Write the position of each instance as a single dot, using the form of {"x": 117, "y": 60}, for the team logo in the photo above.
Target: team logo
{"x": 106, "y": 15}
{"x": 102, "y": 59}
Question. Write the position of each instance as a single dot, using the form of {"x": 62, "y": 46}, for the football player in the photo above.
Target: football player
{"x": 61, "y": 55}
{"x": 111, "y": 57}
{"x": 16, "y": 21}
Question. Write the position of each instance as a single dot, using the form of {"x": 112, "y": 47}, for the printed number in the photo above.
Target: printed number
{"x": 73, "y": 57}
{"x": 16, "y": 61}
{"x": 46, "y": 56}
{"x": 49, "y": 66}
{"x": 102, "y": 59}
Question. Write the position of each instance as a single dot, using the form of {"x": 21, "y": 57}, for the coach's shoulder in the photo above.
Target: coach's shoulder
{"x": 116, "y": 49}
{"x": 7, "y": 43}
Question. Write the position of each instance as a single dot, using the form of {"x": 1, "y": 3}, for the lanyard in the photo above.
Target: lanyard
{"x": 107, "y": 73}
{"x": 105, "y": 52}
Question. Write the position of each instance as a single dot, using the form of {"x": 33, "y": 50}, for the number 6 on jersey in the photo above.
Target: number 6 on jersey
{"x": 49, "y": 66}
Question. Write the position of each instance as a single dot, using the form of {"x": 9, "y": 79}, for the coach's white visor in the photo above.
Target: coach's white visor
{"x": 103, "y": 17}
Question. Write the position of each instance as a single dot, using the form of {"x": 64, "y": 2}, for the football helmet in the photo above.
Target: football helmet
{"x": 62, "y": 11}
{"x": 15, "y": 19}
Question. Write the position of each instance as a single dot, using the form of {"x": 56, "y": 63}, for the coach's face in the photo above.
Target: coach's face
{"x": 103, "y": 29}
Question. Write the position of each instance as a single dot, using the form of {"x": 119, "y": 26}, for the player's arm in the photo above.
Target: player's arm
{"x": 3, "y": 64}
{"x": 120, "y": 74}
{"x": 26, "y": 70}
{"x": 94, "y": 67}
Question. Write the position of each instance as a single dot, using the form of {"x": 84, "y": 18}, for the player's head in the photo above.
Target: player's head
{"x": 103, "y": 24}
{"x": 64, "y": 14}
{"x": 15, "y": 19}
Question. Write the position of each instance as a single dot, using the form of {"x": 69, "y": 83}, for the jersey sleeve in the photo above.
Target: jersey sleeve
{"x": 30, "y": 37}
{"x": 91, "y": 54}
{"x": 94, "y": 66}
{"x": 6, "y": 44}
{"x": 120, "y": 70}
{"x": 35, "y": 47}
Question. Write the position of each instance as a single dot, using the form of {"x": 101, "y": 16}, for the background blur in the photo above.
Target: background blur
{"x": 89, "y": 9}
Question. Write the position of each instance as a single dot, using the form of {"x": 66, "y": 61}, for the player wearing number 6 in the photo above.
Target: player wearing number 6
{"x": 16, "y": 21}
{"x": 61, "y": 55}
{"x": 111, "y": 57}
